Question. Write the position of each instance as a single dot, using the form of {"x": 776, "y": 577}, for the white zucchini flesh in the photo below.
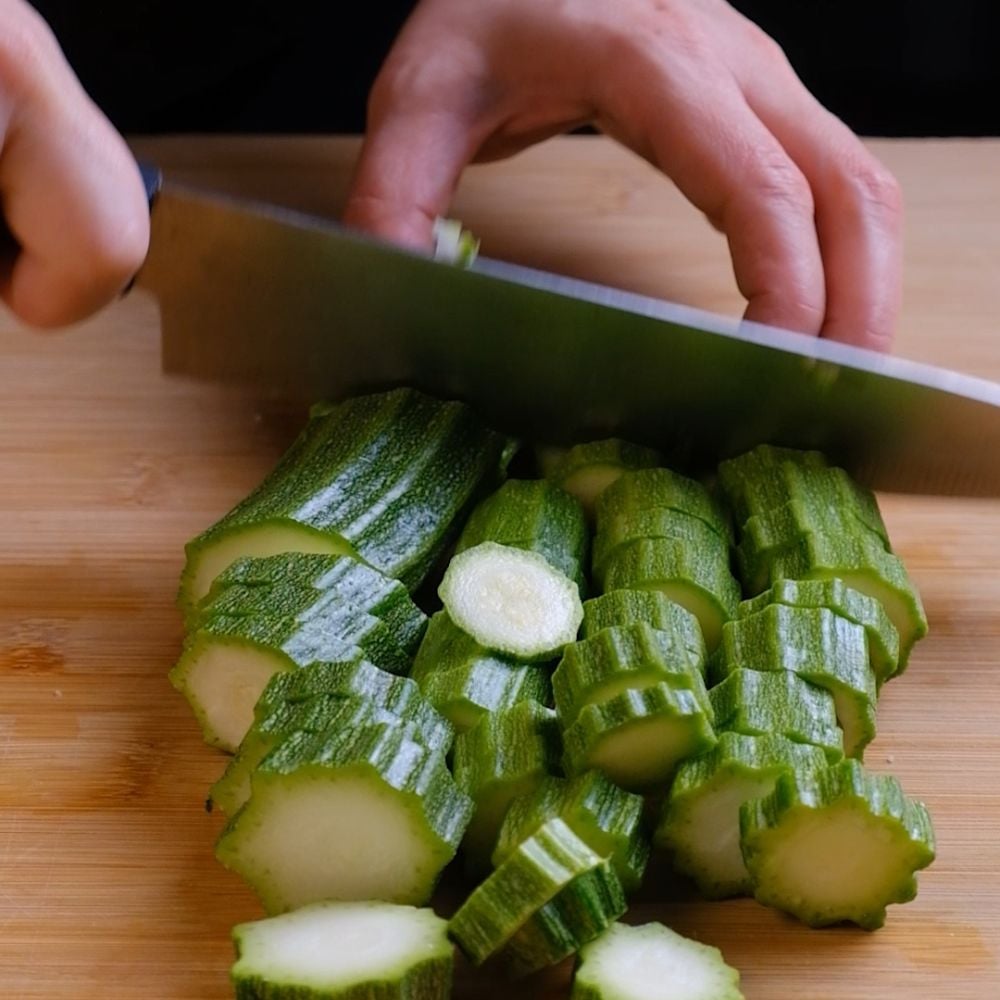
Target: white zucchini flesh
{"x": 512, "y": 601}
{"x": 643, "y": 753}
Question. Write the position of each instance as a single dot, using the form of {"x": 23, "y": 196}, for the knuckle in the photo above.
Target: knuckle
{"x": 778, "y": 183}
{"x": 875, "y": 188}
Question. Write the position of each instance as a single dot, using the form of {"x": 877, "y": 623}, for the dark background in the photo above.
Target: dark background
{"x": 887, "y": 67}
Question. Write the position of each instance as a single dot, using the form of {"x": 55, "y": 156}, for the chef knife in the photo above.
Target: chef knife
{"x": 303, "y": 307}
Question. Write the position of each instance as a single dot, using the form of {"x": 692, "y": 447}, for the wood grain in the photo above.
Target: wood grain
{"x": 108, "y": 888}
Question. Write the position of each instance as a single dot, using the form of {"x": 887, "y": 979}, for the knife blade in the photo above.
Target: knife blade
{"x": 304, "y": 307}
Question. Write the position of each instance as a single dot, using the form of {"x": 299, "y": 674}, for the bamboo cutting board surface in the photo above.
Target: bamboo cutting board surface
{"x": 108, "y": 887}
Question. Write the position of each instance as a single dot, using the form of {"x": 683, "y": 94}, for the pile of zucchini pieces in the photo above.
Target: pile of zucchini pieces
{"x": 592, "y": 653}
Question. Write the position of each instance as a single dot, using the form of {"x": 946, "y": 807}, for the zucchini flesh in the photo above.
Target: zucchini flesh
{"x": 835, "y": 595}
{"x": 700, "y": 821}
{"x": 652, "y": 962}
{"x": 321, "y": 802}
{"x": 622, "y": 658}
{"x": 511, "y": 601}
{"x": 638, "y": 737}
{"x": 536, "y": 516}
{"x": 696, "y": 578}
{"x": 605, "y": 817}
{"x": 344, "y": 951}
{"x": 382, "y": 476}
{"x": 758, "y": 702}
{"x": 506, "y": 754}
{"x": 870, "y": 836}
{"x": 819, "y": 646}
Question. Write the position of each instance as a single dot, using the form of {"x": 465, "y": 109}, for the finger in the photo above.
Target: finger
{"x": 687, "y": 115}
{"x": 859, "y": 213}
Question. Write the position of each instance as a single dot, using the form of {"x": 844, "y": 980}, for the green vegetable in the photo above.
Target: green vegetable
{"x": 869, "y": 837}
{"x": 605, "y": 817}
{"x": 700, "y": 821}
{"x": 621, "y": 658}
{"x": 652, "y": 962}
{"x": 638, "y": 737}
{"x": 364, "y": 813}
{"x": 383, "y": 477}
{"x": 344, "y": 951}
{"x": 453, "y": 244}
{"x": 511, "y": 601}
{"x": 536, "y": 516}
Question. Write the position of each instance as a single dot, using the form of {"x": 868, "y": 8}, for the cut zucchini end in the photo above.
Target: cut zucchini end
{"x": 588, "y": 483}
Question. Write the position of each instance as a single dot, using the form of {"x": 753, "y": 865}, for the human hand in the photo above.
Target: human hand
{"x": 72, "y": 195}
{"x": 813, "y": 220}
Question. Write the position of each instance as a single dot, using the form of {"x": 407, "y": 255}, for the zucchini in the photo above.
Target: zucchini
{"x": 535, "y": 515}
{"x": 700, "y": 820}
{"x": 506, "y": 754}
{"x": 554, "y": 863}
{"x": 819, "y": 646}
{"x": 464, "y": 681}
{"x": 631, "y": 607}
{"x": 696, "y": 578}
{"x": 320, "y": 803}
{"x": 756, "y": 702}
{"x": 511, "y": 601}
{"x": 344, "y": 951}
{"x": 605, "y": 817}
{"x": 383, "y": 477}
{"x": 587, "y": 470}
{"x": 621, "y": 658}
{"x": 638, "y": 737}
{"x": 870, "y": 836}
{"x": 834, "y": 594}
{"x": 652, "y": 962}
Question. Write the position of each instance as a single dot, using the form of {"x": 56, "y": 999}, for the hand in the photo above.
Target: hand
{"x": 813, "y": 220}
{"x": 72, "y": 195}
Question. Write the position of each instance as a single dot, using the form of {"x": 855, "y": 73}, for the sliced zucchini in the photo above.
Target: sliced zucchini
{"x": 621, "y": 658}
{"x": 697, "y": 579}
{"x": 836, "y": 845}
{"x": 511, "y": 601}
{"x": 638, "y": 737}
{"x": 344, "y": 951}
{"x": 833, "y": 593}
{"x": 361, "y": 814}
{"x": 819, "y": 646}
{"x": 554, "y": 862}
{"x": 506, "y": 754}
{"x": 700, "y": 821}
{"x": 535, "y": 515}
{"x": 757, "y": 702}
{"x": 384, "y": 477}
{"x": 652, "y": 962}
{"x": 605, "y": 817}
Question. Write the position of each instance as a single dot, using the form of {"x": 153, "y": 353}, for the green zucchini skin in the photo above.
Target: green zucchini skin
{"x": 607, "y": 818}
{"x": 384, "y": 477}
{"x": 320, "y": 766}
{"x": 882, "y": 838}
{"x": 464, "y": 681}
{"x": 535, "y": 515}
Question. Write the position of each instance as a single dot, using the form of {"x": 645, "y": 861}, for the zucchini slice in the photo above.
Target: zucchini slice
{"x": 638, "y": 737}
{"x": 361, "y": 814}
{"x": 697, "y": 579}
{"x": 819, "y": 646}
{"x": 758, "y": 702}
{"x": 605, "y": 817}
{"x": 537, "y": 516}
{"x": 652, "y": 962}
{"x": 511, "y": 601}
{"x": 553, "y": 864}
{"x": 344, "y": 951}
{"x": 621, "y": 658}
{"x": 506, "y": 754}
{"x": 836, "y": 845}
{"x": 700, "y": 821}
{"x": 383, "y": 477}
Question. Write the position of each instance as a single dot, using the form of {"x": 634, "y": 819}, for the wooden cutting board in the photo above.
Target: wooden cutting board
{"x": 108, "y": 887}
